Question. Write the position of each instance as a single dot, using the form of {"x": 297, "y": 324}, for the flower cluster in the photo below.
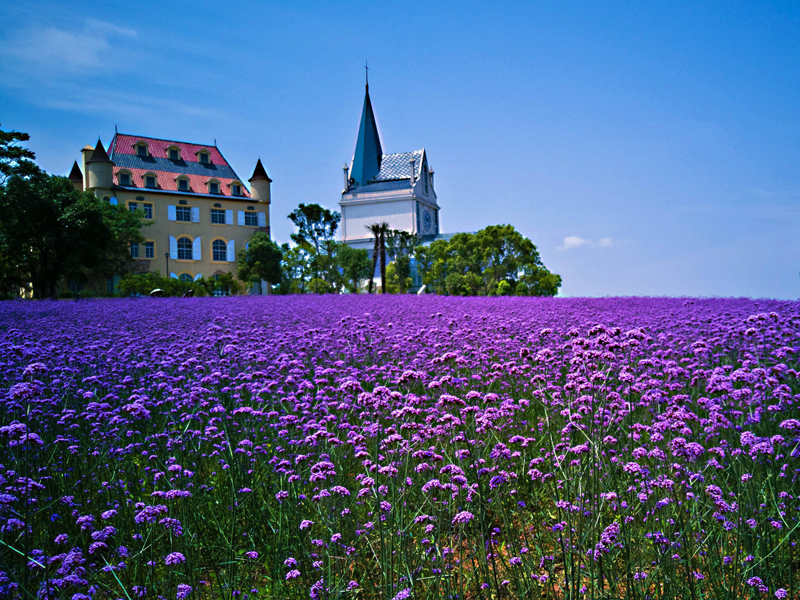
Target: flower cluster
{"x": 478, "y": 447}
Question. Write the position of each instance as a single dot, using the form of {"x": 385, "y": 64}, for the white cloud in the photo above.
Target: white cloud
{"x": 573, "y": 241}
{"x": 54, "y": 51}
{"x": 78, "y": 69}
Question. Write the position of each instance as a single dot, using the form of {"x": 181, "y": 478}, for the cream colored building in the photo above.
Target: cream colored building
{"x": 197, "y": 213}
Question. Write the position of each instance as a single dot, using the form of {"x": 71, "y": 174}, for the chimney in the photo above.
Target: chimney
{"x": 413, "y": 163}
{"x": 346, "y": 178}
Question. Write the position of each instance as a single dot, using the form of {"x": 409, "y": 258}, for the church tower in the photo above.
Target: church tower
{"x": 368, "y": 154}
{"x": 396, "y": 189}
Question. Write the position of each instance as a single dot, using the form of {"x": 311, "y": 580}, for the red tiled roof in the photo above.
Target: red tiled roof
{"x": 123, "y": 154}
{"x": 125, "y": 144}
{"x": 168, "y": 182}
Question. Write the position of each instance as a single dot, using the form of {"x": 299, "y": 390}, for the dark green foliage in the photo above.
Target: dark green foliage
{"x": 15, "y": 160}
{"x": 496, "y": 261}
{"x": 316, "y": 235}
{"x": 141, "y": 284}
{"x": 400, "y": 245}
{"x": 355, "y": 266}
{"x": 260, "y": 260}
{"x": 49, "y": 232}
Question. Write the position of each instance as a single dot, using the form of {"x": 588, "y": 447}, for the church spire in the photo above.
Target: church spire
{"x": 368, "y": 154}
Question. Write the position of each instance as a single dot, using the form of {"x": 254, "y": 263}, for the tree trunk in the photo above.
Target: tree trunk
{"x": 383, "y": 263}
{"x": 374, "y": 262}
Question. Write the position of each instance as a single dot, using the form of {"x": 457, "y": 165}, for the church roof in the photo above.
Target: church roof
{"x": 368, "y": 154}
{"x": 397, "y": 166}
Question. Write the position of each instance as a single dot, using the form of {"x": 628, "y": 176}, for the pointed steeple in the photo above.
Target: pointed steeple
{"x": 260, "y": 172}
{"x": 75, "y": 174}
{"x": 76, "y": 177}
{"x": 368, "y": 154}
{"x": 99, "y": 154}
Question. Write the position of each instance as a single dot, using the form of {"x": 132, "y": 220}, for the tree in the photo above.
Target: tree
{"x": 400, "y": 246}
{"x": 296, "y": 268}
{"x": 14, "y": 159}
{"x": 355, "y": 264}
{"x": 375, "y": 230}
{"x": 497, "y": 260}
{"x": 260, "y": 260}
{"x": 49, "y": 231}
{"x": 316, "y": 231}
{"x": 379, "y": 230}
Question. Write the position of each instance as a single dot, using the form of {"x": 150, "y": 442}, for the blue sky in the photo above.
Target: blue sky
{"x": 646, "y": 148}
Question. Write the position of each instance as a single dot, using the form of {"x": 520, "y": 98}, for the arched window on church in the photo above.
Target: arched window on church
{"x": 425, "y": 177}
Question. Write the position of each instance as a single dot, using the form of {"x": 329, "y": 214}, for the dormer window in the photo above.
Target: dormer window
{"x": 203, "y": 157}
{"x": 174, "y": 153}
{"x": 236, "y": 190}
{"x": 141, "y": 150}
{"x": 183, "y": 184}
{"x": 213, "y": 187}
{"x": 150, "y": 181}
{"x": 124, "y": 179}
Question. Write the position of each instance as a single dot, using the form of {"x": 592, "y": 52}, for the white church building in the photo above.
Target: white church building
{"x": 396, "y": 189}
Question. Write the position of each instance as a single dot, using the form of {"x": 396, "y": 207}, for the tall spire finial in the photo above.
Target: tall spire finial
{"x": 366, "y": 68}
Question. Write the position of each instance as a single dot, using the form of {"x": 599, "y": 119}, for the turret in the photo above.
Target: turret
{"x": 259, "y": 184}
{"x": 76, "y": 177}
{"x": 99, "y": 169}
{"x": 85, "y": 154}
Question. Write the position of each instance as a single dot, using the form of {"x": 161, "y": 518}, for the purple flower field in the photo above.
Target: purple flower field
{"x": 399, "y": 447}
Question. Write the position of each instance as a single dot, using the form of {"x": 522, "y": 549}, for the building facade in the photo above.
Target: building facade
{"x": 197, "y": 213}
{"x": 396, "y": 189}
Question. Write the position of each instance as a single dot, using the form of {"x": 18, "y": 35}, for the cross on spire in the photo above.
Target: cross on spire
{"x": 366, "y": 67}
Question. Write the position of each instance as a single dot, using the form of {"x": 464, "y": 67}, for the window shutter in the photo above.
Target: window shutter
{"x": 198, "y": 276}
{"x": 171, "y": 212}
{"x": 241, "y": 217}
{"x": 196, "y": 254}
{"x": 173, "y": 246}
{"x": 195, "y": 214}
{"x": 231, "y": 251}
{"x": 173, "y": 275}
{"x": 262, "y": 219}
{"x": 228, "y": 217}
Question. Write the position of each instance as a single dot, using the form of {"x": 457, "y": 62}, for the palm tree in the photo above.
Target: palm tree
{"x": 384, "y": 231}
{"x": 378, "y": 230}
{"x": 375, "y": 229}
